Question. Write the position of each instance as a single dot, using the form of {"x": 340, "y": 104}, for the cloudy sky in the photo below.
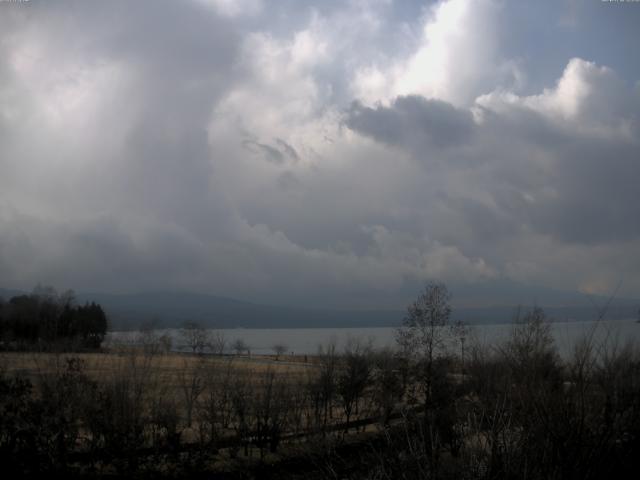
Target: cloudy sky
{"x": 331, "y": 153}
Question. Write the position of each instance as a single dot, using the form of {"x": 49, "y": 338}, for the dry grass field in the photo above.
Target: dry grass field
{"x": 185, "y": 382}
{"x": 100, "y": 365}
{"x": 176, "y": 376}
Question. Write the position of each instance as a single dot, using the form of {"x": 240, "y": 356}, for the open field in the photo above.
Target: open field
{"x": 157, "y": 403}
{"x": 100, "y": 365}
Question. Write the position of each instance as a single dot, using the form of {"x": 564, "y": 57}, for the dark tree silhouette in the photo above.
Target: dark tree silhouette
{"x": 45, "y": 317}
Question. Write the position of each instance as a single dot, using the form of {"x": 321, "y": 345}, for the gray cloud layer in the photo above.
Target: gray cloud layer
{"x": 413, "y": 121}
{"x": 339, "y": 154}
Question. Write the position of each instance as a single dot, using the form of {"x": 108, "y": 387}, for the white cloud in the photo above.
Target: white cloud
{"x": 456, "y": 58}
{"x": 234, "y": 8}
{"x": 587, "y": 98}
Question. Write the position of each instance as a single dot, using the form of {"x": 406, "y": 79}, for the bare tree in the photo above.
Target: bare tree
{"x": 218, "y": 342}
{"x": 164, "y": 419}
{"x": 423, "y": 335}
{"x": 279, "y": 349}
{"x": 242, "y": 405}
{"x": 148, "y": 338}
{"x": 166, "y": 343}
{"x": 215, "y": 406}
{"x": 270, "y": 406}
{"x": 388, "y": 388}
{"x": 240, "y": 346}
{"x": 461, "y": 333}
{"x": 531, "y": 349}
{"x": 195, "y": 337}
{"x": 191, "y": 380}
{"x": 326, "y": 380}
{"x": 354, "y": 378}
{"x": 118, "y": 415}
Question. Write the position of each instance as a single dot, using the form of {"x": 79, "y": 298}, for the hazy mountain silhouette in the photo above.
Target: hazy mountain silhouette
{"x": 171, "y": 309}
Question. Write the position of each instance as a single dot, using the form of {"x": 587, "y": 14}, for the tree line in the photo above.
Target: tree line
{"x": 46, "y": 318}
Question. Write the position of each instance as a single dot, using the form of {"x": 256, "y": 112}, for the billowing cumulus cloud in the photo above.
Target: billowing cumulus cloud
{"x": 456, "y": 57}
{"x": 337, "y": 154}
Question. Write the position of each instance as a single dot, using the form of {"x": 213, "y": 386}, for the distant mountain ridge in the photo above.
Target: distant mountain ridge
{"x": 171, "y": 309}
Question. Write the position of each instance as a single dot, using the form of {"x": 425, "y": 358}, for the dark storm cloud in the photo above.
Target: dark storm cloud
{"x": 598, "y": 194}
{"x": 413, "y": 122}
{"x": 101, "y": 252}
{"x": 174, "y": 60}
{"x": 576, "y": 189}
{"x": 486, "y": 225}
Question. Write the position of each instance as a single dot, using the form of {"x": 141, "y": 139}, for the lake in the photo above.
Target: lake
{"x": 306, "y": 340}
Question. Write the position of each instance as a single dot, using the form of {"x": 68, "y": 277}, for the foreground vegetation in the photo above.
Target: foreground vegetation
{"x": 436, "y": 407}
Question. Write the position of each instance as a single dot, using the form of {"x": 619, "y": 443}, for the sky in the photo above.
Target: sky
{"x": 322, "y": 153}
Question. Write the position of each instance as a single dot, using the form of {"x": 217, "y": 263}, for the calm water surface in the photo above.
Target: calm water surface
{"x": 307, "y": 340}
